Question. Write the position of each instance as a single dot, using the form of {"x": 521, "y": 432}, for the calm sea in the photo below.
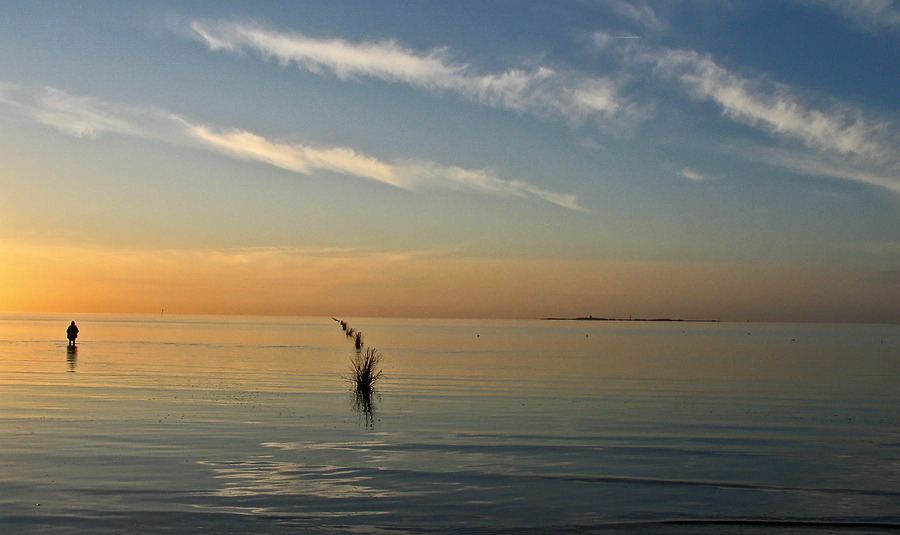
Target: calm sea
{"x": 227, "y": 425}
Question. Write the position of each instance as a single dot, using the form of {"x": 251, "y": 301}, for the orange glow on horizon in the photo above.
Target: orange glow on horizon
{"x": 287, "y": 281}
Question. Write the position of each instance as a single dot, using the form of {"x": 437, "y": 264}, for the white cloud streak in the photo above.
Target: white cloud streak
{"x": 76, "y": 116}
{"x": 89, "y": 117}
{"x": 294, "y": 157}
{"x": 840, "y": 138}
{"x": 641, "y": 13}
{"x": 834, "y": 139}
{"x": 541, "y": 91}
{"x": 305, "y": 160}
{"x": 776, "y": 110}
{"x": 691, "y": 175}
{"x": 887, "y": 178}
{"x": 873, "y": 16}
{"x": 840, "y": 132}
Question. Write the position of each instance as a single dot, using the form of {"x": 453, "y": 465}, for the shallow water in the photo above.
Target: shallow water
{"x": 245, "y": 425}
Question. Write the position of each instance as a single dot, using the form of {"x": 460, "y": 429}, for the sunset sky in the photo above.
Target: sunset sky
{"x": 510, "y": 159}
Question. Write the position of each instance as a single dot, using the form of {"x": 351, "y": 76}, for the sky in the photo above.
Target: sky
{"x": 696, "y": 159}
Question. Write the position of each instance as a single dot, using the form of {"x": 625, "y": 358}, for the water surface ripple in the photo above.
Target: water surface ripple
{"x": 245, "y": 425}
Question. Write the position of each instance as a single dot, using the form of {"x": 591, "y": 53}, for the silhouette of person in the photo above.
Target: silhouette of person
{"x": 72, "y": 334}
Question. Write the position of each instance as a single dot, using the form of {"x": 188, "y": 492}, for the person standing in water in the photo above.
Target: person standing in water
{"x": 72, "y": 334}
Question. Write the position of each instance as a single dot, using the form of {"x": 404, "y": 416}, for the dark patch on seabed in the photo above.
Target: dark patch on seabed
{"x": 220, "y": 523}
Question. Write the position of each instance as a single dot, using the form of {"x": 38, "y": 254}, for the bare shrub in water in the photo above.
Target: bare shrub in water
{"x": 365, "y": 370}
{"x": 351, "y": 332}
{"x": 358, "y": 340}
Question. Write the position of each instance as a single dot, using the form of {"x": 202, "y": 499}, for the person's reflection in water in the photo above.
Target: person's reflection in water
{"x": 72, "y": 357}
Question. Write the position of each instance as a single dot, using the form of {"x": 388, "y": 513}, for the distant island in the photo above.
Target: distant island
{"x": 592, "y": 318}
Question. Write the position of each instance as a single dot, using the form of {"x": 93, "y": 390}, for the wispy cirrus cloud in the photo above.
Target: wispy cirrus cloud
{"x": 90, "y": 117}
{"x": 840, "y": 133}
{"x": 839, "y": 141}
{"x": 640, "y": 13}
{"x": 775, "y": 108}
{"x": 294, "y": 157}
{"x": 836, "y": 142}
{"x": 885, "y": 177}
{"x": 541, "y": 90}
{"x": 873, "y": 16}
{"x": 408, "y": 175}
{"x": 691, "y": 175}
{"x": 73, "y": 115}
{"x": 834, "y": 139}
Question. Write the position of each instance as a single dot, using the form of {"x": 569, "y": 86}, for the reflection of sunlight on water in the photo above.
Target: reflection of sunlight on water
{"x": 365, "y": 446}
{"x": 254, "y": 478}
{"x": 517, "y": 424}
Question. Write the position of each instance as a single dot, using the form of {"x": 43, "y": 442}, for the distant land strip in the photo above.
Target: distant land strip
{"x": 592, "y": 318}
